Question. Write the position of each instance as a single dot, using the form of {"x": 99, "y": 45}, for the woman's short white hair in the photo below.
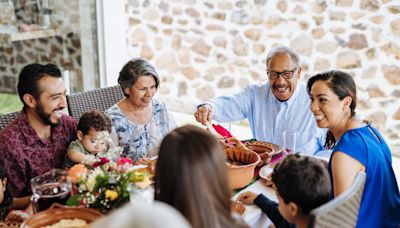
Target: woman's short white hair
{"x": 144, "y": 215}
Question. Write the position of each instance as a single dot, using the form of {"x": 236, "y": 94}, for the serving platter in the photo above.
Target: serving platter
{"x": 266, "y": 150}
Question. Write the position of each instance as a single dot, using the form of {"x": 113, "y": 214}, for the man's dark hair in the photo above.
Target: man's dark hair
{"x": 302, "y": 180}
{"x": 30, "y": 76}
{"x": 94, "y": 119}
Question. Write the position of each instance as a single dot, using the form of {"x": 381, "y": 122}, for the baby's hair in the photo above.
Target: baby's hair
{"x": 94, "y": 119}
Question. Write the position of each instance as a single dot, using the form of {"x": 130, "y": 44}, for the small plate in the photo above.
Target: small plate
{"x": 265, "y": 171}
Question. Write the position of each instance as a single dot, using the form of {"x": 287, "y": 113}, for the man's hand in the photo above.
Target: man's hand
{"x": 247, "y": 197}
{"x": 203, "y": 114}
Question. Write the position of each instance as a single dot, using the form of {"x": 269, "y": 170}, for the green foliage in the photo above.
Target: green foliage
{"x": 9, "y": 103}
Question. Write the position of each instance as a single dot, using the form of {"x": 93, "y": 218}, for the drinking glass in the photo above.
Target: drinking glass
{"x": 53, "y": 186}
{"x": 289, "y": 142}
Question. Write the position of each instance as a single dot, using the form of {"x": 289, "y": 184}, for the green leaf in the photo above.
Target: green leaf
{"x": 74, "y": 200}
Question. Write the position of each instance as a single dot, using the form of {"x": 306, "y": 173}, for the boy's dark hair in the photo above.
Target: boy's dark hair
{"x": 94, "y": 119}
{"x": 31, "y": 74}
{"x": 8, "y": 198}
{"x": 302, "y": 180}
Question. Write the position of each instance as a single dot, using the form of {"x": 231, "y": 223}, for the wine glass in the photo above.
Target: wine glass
{"x": 289, "y": 142}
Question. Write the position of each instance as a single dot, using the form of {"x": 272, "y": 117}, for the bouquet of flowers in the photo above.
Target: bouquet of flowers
{"x": 106, "y": 186}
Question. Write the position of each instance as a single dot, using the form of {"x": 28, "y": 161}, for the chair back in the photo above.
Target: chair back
{"x": 97, "y": 99}
{"x": 342, "y": 211}
{"x": 7, "y": 119}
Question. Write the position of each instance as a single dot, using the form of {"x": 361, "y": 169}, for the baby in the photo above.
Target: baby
{"x": 84, "y": 150}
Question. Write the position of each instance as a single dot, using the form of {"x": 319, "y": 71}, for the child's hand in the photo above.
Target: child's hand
{"x": 247, "y": 197}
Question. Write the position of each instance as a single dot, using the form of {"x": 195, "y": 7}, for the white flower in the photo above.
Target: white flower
{"x": 91, "y": 180}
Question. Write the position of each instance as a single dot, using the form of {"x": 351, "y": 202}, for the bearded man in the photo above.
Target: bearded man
{"x": 272, "y": 107}
{"x": 36, "y": 141}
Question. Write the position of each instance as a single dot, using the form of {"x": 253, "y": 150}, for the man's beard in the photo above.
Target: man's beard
{"x": 45, "y": 117}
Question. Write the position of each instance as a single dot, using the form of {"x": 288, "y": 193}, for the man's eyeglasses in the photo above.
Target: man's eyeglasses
{"x": 288, "y": 74}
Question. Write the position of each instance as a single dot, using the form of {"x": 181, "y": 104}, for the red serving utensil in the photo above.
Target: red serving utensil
{"x": 221, "y": 130}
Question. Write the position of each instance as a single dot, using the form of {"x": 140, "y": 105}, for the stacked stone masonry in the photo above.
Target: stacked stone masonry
{"x": 207, "y": 48}
{"x": 64, "y": 49}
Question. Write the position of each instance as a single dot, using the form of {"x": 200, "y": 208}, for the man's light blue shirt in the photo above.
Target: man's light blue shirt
{"x": 268, "y": 117}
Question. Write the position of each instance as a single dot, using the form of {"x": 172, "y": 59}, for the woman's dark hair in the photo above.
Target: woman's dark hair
{"x": 30, "y": 76}
{"x": 341, "y": 84}
{"x": 191, "y": 175}
{"x": 8, "y": 198}
{"x": 94, "y": 119}
{"x": 303, "y": 180}
{"x": 133, "y": 70}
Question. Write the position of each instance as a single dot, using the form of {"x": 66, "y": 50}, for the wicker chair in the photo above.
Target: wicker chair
{"x": 7, "y": 118}
{"x": 343, "y": 210}
{"x": 99, "y": 99}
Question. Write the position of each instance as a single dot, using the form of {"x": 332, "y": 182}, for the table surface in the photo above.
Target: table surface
{"x": 253, "y": 216}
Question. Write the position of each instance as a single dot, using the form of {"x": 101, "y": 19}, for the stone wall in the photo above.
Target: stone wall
{"x": 203, "y": 49}
{"x": 62, "y": 49}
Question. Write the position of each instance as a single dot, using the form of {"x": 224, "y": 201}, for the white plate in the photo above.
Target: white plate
{"x": 265, "y": 171}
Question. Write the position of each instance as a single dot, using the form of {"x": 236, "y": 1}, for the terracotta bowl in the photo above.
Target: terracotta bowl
{"x": 241, "y": 174}
{"x": 54, "y": 215}
{"x": 266, "y": 150}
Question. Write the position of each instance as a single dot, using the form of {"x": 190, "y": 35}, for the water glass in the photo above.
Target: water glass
{"x": 289, "y": 141}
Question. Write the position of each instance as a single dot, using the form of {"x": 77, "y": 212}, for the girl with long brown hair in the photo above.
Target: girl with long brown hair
{"x": 191, "y": 176}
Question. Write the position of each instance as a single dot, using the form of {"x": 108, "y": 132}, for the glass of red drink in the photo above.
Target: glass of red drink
{"x": 50, "y": 187}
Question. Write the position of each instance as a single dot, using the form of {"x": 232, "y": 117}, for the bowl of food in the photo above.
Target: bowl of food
{"x": 266, "y": 150}
{"x": 61, "y": 216}
{"x": 238, "y": 207}
{"x": 241, "y": 163}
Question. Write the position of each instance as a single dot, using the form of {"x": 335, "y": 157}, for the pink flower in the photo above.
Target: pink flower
{"x": 124, "y": 161}
{"x": 101, "y": 162}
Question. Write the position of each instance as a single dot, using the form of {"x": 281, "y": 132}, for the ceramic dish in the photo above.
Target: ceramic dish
{"x": 265, "y": 171}
{"x": 266, "y": 150}
{"x": 58, "y": 212}
{"x": 241, "y": 163}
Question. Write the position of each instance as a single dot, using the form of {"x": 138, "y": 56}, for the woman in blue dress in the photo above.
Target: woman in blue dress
{"x": 357, "y": 146}
{"x": 139, "y": 121}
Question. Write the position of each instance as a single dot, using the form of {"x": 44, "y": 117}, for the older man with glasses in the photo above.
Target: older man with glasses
{"x": 280, "y": 104}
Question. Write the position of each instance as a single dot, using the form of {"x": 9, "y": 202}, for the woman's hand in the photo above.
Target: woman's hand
{"x": 247, "y": 197}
